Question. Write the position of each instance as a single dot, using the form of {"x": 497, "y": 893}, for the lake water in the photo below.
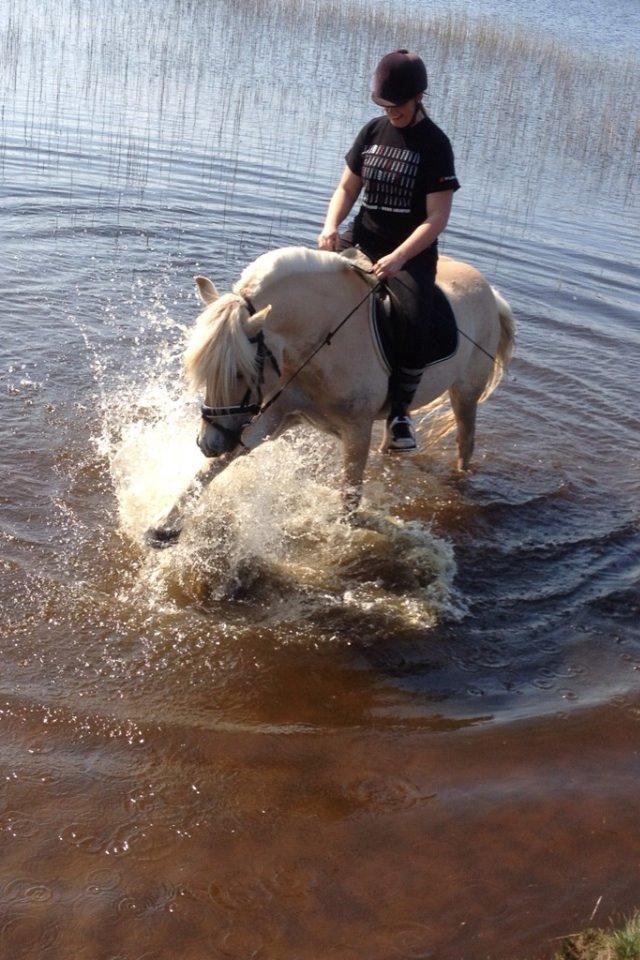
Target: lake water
{"x": 286, "y": 738}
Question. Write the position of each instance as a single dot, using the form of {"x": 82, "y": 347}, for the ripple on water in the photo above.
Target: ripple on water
{"x": 410, "y": 941}
{"x": 149, "y": 842}
{"x": 238, "y": 942}
{"x": 163, "y": 897}
{"x": 23, "y": 891}
{"x": 15, "y": 824}
{"x": 102, "y": 880}
{"x": 261, "y": 888}
{"x": 27, "y": 936}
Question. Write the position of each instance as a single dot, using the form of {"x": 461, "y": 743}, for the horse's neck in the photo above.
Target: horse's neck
{"x": 306, "y": 306}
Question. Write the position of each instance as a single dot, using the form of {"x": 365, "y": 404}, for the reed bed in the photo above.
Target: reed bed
{"x": 288, "y": 80}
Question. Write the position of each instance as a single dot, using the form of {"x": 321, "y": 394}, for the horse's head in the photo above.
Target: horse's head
{"x": 226, "y": 356}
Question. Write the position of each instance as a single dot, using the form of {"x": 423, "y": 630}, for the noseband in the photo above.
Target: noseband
{"x": 211, "y": 414}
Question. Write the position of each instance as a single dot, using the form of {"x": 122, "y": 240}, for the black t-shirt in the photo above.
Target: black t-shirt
{"x": 399, "y": 167}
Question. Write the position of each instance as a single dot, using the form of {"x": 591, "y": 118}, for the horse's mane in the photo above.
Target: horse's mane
{"x": 218, "y": 348}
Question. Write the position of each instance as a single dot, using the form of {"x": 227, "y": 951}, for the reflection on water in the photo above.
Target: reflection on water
{"x": 288, "y": 736}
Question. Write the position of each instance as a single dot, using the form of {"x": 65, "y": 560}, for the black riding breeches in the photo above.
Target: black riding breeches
{"x": 412, "y": 287}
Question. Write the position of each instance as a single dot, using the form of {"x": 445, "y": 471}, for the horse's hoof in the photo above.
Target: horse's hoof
{"x": 353, "y": 517}
{"x": 161, "y": 537}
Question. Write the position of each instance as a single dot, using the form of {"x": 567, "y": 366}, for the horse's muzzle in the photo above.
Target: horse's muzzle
{"x": 215, "y": 440}
{"x": 207, "y": 449}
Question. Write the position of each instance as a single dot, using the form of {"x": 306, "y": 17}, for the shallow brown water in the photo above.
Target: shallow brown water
{"x": 287, "y": 738}
{"x": 410, "y": 840}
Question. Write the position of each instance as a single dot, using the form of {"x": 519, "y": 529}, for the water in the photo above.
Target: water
{"x": 287, "y": 737}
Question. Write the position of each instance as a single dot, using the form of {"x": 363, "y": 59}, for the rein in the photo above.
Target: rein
{"x": 325, "y": 343}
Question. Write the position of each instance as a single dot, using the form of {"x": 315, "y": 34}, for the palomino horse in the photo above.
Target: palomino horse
{"x": 247, "y": 344}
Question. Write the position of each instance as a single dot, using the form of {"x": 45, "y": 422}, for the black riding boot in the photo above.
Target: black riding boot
{"x": 401, "y": 434}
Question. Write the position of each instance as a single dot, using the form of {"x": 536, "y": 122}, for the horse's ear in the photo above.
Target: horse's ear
{"x": 206, "y": 289}
{"x": 254, "y": 323}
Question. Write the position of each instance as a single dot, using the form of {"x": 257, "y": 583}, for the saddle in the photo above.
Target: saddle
{"x": 387, "y": 325}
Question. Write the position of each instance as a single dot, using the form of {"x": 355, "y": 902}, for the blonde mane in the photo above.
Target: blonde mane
{"x": 219, "y": 349}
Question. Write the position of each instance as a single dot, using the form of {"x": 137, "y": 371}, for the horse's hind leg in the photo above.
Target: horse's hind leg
{"x": 464, "y": 406}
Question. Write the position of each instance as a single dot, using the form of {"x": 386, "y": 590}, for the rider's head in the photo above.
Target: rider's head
{"x": 399, "y": 81}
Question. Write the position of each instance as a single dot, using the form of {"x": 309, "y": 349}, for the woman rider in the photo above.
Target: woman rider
{"x": 405, "y": 164}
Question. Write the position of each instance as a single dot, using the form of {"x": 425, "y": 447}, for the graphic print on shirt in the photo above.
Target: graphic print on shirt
{"x": 389, "y": 174}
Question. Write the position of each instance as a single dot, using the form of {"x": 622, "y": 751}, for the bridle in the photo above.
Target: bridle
{"x": 246, "y": 406}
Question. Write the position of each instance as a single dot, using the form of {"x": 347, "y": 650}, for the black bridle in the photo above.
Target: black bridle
{"x": 245, "y": 407}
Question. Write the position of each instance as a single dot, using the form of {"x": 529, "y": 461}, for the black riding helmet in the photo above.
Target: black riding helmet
{"x": 398, "y": 77}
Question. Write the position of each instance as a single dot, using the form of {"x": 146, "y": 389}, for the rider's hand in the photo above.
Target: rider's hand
{"x": 328, "y": 239}
{"x": 386, "y": 267}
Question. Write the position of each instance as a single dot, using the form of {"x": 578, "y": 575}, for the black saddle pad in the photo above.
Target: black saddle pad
{"x": 389, "y": 329}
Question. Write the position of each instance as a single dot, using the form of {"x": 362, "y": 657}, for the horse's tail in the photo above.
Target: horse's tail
{"x": 439, "y": 416}
{"x": 437, "y": 419}
{"x": 506, "y": 344}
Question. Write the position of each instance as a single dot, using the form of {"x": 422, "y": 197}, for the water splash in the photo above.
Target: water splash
{"x": 268, "y": 533}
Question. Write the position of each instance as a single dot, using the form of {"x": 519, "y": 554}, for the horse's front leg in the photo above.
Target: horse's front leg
{"x": 168, "y": 526}
{"x": 266, "y": 426}
{"x": 356, "y": 440}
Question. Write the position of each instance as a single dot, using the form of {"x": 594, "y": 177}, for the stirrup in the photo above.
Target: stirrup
{"x": 400, "y": 434}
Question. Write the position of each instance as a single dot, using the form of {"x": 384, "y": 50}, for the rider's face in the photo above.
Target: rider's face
{"x": 402, "y": 115}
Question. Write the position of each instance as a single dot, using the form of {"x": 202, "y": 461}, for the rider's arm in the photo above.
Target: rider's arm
{"x": 438, "y": 210}
{"x": 343, "y": 199}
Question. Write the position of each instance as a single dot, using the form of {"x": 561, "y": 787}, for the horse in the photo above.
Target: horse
{"x": 267, "y": 334}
